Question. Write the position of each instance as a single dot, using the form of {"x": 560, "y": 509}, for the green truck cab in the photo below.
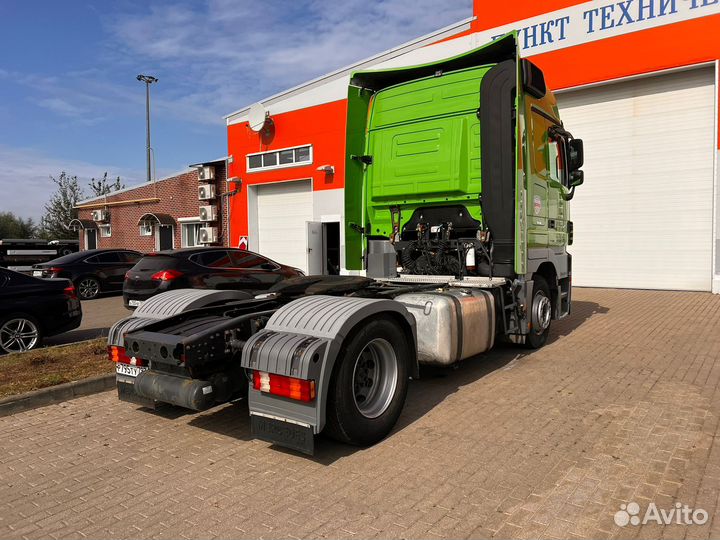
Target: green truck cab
{"x": 461, "y": 168}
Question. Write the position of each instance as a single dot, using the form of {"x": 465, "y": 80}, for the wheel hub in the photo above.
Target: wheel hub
{"x": 375, "y": 378}
{"x": 541, "y": 312}
{"x": 18, "y": 335}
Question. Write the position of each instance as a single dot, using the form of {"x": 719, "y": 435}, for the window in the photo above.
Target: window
{"x": 109, "y": 257}
{"x": 213, "y": 259}
{"x": 556, "y": 161}
{"x": 146, "y": 229}
{"x": 538, "y": 142}
{"x": 130, "y": 257}
{"x": 277, "y": 159}
{"x": 190, "y": 234}
{"x": 248, "y": 260}
{"x": 105, "y": 231}
{"x": 547, "y": 151}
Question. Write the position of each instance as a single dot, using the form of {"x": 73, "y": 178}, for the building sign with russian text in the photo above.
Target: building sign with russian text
{"x": 592, "y": 21}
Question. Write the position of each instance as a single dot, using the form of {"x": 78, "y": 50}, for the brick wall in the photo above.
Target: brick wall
{"x": 177, "y": 197}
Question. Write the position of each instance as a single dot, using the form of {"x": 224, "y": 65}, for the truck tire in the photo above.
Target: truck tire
{"x": 540, "y": 314}
{"x": 369, "y": 386}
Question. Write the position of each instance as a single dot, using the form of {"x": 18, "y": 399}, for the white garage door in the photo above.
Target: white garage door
{"x": 283, "y": 209}
{"x": 643, "y": 218}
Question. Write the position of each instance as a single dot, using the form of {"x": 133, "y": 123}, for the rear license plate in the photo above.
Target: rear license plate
{"x": 37, "y": 273}
{"x": 128, "y": 371}
{"x": 135, "y": 303}
{"x": 283, "y": 433}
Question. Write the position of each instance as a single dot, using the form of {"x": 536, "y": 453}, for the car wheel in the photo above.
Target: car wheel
{"x": 19, "y": 333}
{"x": 540, "y": 314}
{"x": 88, "y": 288}
{"x": 368, "y": 390}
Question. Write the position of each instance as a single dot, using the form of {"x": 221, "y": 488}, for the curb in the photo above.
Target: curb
{"x": 55, "y": 394}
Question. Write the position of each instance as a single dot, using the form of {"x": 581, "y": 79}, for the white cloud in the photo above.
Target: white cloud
{"x": 225, "y": 54}
{"x": 85, "y": 96}
{"x": 216, "y": 56}
{"x": 25, "y": 182}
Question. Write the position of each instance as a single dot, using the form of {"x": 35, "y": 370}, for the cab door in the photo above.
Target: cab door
{"x": 537, "y": 207}
{"x": 547, "y": 183}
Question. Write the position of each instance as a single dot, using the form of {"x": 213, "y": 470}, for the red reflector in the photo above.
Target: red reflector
{"x": 166, "y": 275}
{"x": 118, "y": 354}
{"x": 279, "y": 385}
{"x": 70, "y": 291}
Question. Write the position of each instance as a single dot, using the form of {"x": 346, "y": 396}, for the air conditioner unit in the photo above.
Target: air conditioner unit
{"x": 206, "y": 174}
{"x": 208, "y": 213}
{"x": 208, "y": 235}
{"x": 206, "y": 192}
{"x": 99, "y": 215}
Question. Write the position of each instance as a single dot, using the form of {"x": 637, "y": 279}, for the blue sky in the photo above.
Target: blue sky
{"x": 69, "y": 99}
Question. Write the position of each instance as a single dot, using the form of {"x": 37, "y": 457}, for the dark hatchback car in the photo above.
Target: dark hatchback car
{"x": 92, "y": 271}
{"x": 32, "y": 308}
{"x": 202, "y": 268}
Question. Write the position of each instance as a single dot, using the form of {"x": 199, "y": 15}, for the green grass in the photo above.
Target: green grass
{"x": 41, "y": 368}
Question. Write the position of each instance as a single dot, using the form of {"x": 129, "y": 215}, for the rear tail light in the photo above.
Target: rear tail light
{"x": 127, "y": 274}
{"x": 118, "y": 354}
{"x": 54, "y": 270}
{"x": 166, "y": 275}
{"x": 279, "y": 385}
{"x": 70, "y": 291}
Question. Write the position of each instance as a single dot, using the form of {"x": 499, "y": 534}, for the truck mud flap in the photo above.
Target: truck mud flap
{"x": 288, "y": 434}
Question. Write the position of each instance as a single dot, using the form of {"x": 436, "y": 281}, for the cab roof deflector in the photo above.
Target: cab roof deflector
{"x": 504, "y": 48}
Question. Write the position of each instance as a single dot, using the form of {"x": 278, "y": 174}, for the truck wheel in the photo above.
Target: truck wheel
{"x": 540, "y": 314}
{"x": 368, "y": 390}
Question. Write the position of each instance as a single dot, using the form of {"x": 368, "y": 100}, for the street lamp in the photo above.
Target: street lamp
{"x": 148, "y": 80}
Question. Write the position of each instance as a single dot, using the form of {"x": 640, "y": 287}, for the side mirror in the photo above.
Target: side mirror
{"x": 576, "y": 178}
{"x": 576, "y": 159}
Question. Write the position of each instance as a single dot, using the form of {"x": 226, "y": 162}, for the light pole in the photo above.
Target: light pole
{"x": 148, "y": 80}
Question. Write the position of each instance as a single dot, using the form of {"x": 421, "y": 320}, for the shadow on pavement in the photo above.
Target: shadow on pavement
{"x": 433, "y": 387}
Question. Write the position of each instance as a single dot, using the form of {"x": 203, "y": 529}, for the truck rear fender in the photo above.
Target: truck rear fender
{"x": 303, "y": 339}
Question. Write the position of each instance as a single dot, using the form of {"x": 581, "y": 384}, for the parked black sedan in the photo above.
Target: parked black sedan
{"x": 201, "y": 268}
{"x": 92, "y": 271}
{"x": 32, "y": 308}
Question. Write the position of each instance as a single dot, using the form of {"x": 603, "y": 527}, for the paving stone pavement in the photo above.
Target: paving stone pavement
{"x": 622, "y": 405}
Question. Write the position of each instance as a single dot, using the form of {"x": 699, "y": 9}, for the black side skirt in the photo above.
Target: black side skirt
{"x": 497, "y": 129}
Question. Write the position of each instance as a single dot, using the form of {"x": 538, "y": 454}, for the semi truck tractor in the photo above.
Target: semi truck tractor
{"x": 458, "y": 178}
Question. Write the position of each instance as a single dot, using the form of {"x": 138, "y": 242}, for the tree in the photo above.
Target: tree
{"x": 60, "y": 209}
{"x": 12, "y": 226}
{"x": 103, "y": 187}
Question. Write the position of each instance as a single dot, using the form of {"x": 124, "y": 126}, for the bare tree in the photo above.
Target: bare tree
{"x": 60, "y": 209}
{"x": 103, "y": 186}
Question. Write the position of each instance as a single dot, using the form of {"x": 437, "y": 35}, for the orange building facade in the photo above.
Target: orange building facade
{"x": 636, "y": 79}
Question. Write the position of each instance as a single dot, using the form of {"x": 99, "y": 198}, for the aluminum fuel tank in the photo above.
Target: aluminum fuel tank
{"x": 452, "y": 325}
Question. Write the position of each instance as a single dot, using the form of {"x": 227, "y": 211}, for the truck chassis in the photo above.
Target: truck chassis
{"x": 287, "y": 350}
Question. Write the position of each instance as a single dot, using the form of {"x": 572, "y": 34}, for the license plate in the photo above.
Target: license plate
{"x": 127, "y": 370}
{"x": 135, "y": 303}
{"x": 37, "y": 273}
